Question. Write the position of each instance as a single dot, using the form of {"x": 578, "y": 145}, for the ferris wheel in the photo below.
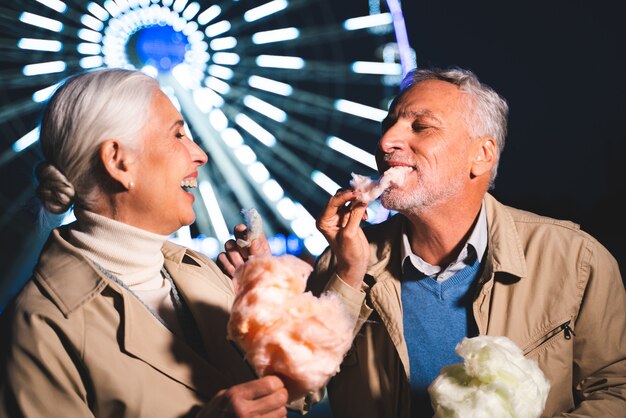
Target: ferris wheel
{"x": 285, "y": 96}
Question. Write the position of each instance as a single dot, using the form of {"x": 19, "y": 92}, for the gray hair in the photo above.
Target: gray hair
{"x": 88, "y": 109}
{"x": 487, "y": 111}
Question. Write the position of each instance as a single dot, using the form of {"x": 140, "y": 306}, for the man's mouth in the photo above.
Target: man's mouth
{"x": 190, "y": 183}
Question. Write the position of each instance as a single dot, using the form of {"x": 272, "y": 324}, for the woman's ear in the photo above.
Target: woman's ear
{"x": 484, "y": 154}
{"x": 116, "y": 161}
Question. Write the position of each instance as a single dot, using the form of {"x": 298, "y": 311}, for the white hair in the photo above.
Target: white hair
{"x": 487, "y": 111}
{"x": 88, "y": 109}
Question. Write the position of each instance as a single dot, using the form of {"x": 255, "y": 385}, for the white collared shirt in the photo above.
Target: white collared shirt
{"x": 474, "y": 248}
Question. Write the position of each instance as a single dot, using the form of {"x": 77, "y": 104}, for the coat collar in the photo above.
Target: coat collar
{"x": 71, "y": 280}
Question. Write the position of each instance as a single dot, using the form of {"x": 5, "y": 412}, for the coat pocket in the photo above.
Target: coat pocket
{"x": 563, "y": 330}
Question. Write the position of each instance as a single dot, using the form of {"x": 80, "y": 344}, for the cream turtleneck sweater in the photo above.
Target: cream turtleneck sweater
{"x": 133, "y": 255}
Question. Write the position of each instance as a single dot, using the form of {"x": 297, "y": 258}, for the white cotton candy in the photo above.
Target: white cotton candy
{"x": 285, "y": 331}
{"x": 372, "y": 189}
{"x": 254, "y": 224}
{"x": 495, "y": 380}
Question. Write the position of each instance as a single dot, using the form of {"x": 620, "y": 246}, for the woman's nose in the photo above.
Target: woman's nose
{"x": 197, "y": 154}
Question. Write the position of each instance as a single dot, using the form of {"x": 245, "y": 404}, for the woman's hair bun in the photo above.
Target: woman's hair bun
{"x": 54, "y": 190}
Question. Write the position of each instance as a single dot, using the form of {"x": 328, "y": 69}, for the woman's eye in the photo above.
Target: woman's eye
{"x": 180, "y": 135}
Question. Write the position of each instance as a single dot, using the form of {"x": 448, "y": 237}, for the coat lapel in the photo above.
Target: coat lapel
{"x": 150, "y": 341}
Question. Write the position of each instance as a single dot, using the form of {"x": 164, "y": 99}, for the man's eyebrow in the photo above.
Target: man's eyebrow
{"x": 418, "y": 114}
{"x": 179, "y": 122}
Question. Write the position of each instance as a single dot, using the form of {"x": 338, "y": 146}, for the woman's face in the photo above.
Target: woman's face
{"x": 164, "y": 170}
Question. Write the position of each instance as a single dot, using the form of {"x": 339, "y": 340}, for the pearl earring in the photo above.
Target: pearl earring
{"x": 131, "y": 185}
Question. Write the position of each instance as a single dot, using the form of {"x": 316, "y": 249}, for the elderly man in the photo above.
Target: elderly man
{"x": 454, "y": 263}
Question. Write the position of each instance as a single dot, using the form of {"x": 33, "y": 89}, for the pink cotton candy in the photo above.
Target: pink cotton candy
{"x": 372, "y": 189}
{"x": 285, "y": 331}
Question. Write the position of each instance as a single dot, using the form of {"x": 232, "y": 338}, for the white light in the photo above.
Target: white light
{"x": 303, "y": 227}
{"x": 316, "y": 244}
{"x": 191, "y": 11}
{"x": 42, "y": 22}
{"x": 89, "y": 35}
{"x": 265, "y": 108}
{"x": 255, "y": 130}
{"x": 183, "y": 236}
{"x": 245, "y": 155}
{"x": 68, "y": 218}
{"x": 91, "y": 22}
{"x": 368, "y": 21}
{"x": 219, "y": 44}
{"x": 231, "y": 137}
{"x": 206, "y": 99}
{"x": 272, "y": 190}
{"x": 190, "y": 28}
{"x": 278, "y": 61}
{"x": 264, "y": 10}
{"x": 91, "y": 62}
{"x": 218, "y": 85}
{"x": 382, "y": 68}
{"x": 210, "y": 246}
{"x": 218, "y": 119}
{"x": 196, "y": 38}
{"x": 272, "y": 86}
{"x": 286, "y": 208}
{"x": 209, "y": 14}
{"x": 361, "y": 110}
{"x": 44, "y": 68}
{"x": 44, "y": 94}
{"x": 55, "y": 5}
{"x": 123, "y": 5}
{"x": 351, "y": 151}
{"x": 39, "y": 44}
{"x": 89, "y": 48}
{"x": 179, "y": 5}
{"x": 214, "y": 211}
{"x": 26, "y": 141}
{"x": 112, "y": 8}
{"x": 166, "y": 3}
{"x": 217, "y": 28}
{"x": 258, "y": 172}
{"x": 325, "y": 182}
{"x": 152, "y": 71}
{"x": 276, "y": 35}
{"x": 224, "y": 73}
{"x": 226, "y": 58}
{"x": 98, "y": 11}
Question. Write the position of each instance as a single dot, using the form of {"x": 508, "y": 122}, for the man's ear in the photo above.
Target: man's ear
{"x": 484, "y": 153}
{"x": 115, "y": 160}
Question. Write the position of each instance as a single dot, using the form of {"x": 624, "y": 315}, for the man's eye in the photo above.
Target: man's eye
{"x": 418, "y": 127}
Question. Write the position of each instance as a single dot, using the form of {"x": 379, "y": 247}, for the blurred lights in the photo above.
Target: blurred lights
{"x": 351, "y": 151}
{"x": 265, "y": 108}
{"x": 368, "y": 21}
{"x": 279, "y": 61}
{"x": 269, "y": 85}
{"x": 40, "y": 44}
{"x": 277, "y": 35}
{"x": 361, "y": 110}
{"x": 56, "y": 5}
{"x": 255, "y": 130}
{"x": 264, "y": 10}
{"x": 41, "y": 22}
{"x": 44, "y": 68}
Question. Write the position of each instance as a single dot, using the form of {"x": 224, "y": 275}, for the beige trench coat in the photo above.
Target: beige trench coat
{"x": 75, "y": 344}
{"x": 541, "y": 277}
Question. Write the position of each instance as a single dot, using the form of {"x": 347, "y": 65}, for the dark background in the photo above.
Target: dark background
{"x": 560, "y": 65}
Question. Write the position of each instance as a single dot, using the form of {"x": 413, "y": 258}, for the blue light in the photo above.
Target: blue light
{"x": 162, "y": 47}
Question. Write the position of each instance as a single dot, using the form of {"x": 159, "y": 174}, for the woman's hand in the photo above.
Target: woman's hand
{"x": 265, "y": 397}
{"x": 340, "y": 224}
{"x": 233, "y": 255}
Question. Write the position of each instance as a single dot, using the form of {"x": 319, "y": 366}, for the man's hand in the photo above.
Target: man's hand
{"x": 265, "y": 397}
{"x": 233, "y": 255}
{"x": 340, "y": 224}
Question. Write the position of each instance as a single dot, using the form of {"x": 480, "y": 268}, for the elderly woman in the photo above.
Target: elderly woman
{"x": 117, "y": 321}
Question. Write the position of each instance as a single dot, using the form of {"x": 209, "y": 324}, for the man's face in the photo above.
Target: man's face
{"x": 426, "y": 130}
